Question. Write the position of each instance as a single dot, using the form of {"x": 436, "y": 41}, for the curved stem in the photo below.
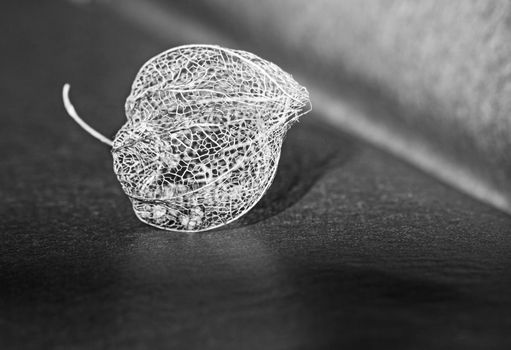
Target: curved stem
{"x": 72, "y": 113}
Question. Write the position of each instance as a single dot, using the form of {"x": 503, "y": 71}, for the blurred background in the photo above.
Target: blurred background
{"x": 387, "y": 224}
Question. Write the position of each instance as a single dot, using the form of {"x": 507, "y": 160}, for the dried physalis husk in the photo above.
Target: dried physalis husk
{"x": 203, "y": 137}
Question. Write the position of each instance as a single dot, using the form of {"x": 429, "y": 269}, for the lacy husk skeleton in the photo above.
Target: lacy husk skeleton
{"x": 203, "y": 137}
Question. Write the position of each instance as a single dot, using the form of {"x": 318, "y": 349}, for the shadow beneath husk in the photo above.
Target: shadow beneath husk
{"x": 311, "y": 148}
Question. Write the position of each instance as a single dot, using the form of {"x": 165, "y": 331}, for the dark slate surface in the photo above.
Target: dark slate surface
{"x": 350, "y": 247}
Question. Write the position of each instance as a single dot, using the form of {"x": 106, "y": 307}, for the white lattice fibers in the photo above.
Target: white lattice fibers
{"x": 203, "y": 136}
